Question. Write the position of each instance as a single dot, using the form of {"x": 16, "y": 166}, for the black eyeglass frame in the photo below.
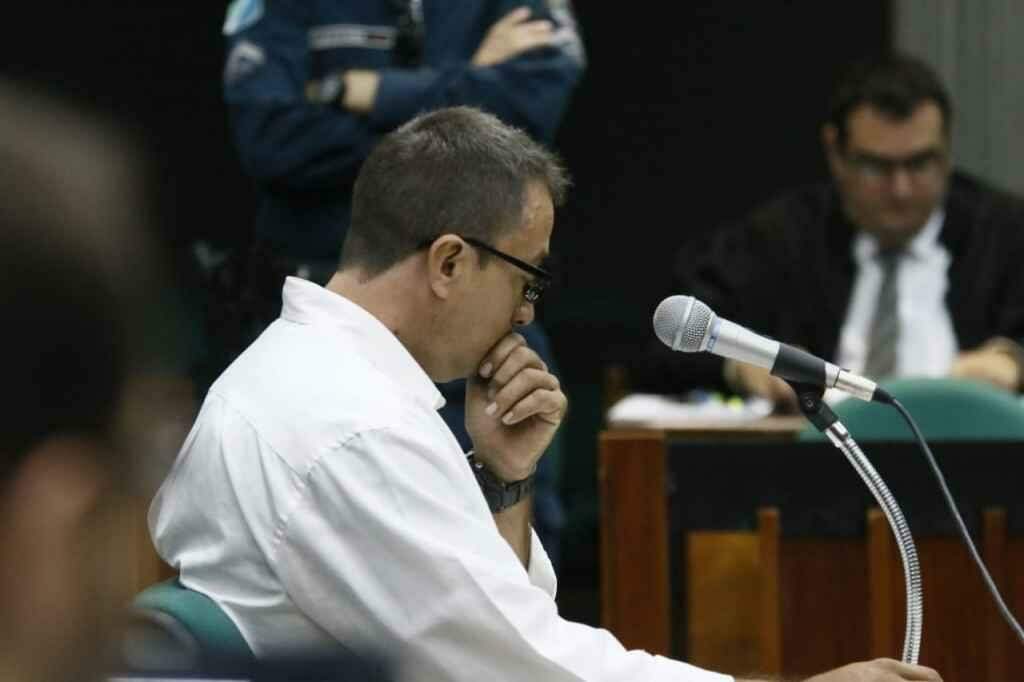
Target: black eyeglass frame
{"x": 916, "y": 165}
{"x": 533, "y": 289}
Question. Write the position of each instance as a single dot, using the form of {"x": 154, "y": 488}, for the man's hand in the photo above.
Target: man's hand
{"x": 878, "y": 670}
{"x": 752, "y": 380}
{"x": 991, "y": 363}
{"x": 511, "y": 36}
{"x": 513, "y": 408}
{"x": 360, "y": 90}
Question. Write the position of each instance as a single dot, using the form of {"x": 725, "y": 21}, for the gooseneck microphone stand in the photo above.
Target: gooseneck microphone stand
{"x": 825, "y": 420}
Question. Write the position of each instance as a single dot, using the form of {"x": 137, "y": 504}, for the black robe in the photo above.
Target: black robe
{"x": 787, "y": 270}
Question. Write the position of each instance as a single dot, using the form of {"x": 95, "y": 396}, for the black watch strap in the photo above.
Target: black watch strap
{"x": 499, "y": 494}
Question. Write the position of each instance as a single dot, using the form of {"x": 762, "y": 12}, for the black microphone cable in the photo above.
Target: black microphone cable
{"x": 965, "y": 536}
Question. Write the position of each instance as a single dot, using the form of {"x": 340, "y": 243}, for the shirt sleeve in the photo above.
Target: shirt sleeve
{"x": 530, "y": 91}
{"x": 392, "y": 539}
{"x": 283, "y": 139}
{"x": 540, "y": 571}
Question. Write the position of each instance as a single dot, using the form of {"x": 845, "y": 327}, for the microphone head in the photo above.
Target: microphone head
{"x": 682, "y": 322}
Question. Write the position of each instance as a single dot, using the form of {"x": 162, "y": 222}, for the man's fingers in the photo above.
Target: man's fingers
{"x": 532, "y": 41}
{"x": 545, "y": 404}
{"x": 531, "y": 34}
{"x": 513, "y": 35}
{"x": 781, "y": 392}
{"x": 521, "y": 385}
{"x": 879, "y": 670}
{"x": 906, "y": 671}
{"x": 520, "y": 358}
{"x": 540, "y": 27}
{"x": 513, "y": 17}
{"x": 497, "y": 355}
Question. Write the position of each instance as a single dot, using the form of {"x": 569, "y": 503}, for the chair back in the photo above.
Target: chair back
{"x": 944, "y": 409}
{"x": 173, "y": 628}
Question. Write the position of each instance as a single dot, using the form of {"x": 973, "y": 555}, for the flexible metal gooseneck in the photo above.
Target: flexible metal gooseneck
{"x": 826, "y": 421}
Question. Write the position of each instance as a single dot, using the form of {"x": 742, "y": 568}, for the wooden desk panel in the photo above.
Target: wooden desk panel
{"x": 635, "y": 599}
{"x": 632, "y": 482}
{"x": 739, "y": 583}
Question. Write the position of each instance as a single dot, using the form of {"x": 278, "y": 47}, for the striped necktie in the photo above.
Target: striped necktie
{"x": 885, "y": 327}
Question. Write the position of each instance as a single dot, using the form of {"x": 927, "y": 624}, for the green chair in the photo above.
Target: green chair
{"x": 944, "y": 409}
{"x": 173, "y": 628}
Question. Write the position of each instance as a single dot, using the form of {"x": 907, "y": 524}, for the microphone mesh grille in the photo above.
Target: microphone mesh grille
{"x": 685, "y": 317}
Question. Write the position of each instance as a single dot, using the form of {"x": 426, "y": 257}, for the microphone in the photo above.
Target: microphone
{"x": 685, "y": 324}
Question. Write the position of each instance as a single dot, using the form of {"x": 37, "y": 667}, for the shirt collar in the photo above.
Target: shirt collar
{"x": 304, "y": 302}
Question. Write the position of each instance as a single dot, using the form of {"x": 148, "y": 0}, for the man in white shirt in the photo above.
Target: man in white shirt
{"x": 321, "y": 498}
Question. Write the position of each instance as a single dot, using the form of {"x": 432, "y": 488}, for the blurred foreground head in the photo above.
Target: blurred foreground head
{"x": 75, "y": 272}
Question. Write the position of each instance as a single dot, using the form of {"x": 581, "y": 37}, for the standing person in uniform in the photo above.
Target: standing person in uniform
{"x": 311, "y": 86}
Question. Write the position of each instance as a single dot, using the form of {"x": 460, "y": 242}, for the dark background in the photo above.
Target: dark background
{"x": 689, "y": 114}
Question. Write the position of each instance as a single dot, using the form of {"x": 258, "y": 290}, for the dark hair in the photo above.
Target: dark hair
{"x": 456, "y": 170}
{"x": 68, "y": 231}
{"x": 63, "y": 350}
{"x": 894, "y": 83}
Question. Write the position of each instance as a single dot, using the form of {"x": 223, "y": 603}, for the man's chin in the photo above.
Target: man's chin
{"x": 898, "y": 231}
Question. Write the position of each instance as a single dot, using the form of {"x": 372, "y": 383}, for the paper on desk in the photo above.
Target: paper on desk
{"x": 650, "y": 407}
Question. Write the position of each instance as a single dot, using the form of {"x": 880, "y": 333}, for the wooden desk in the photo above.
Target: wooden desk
{"x": 774, "y": 428}
{"x": 848, "y": 585}
{"x": 635, "y": 584}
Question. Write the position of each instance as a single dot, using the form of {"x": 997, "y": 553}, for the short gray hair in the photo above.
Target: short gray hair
{"x": 456, "y": 170}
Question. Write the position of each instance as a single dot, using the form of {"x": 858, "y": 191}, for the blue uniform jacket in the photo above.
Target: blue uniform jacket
{"x": 304, "y": 157}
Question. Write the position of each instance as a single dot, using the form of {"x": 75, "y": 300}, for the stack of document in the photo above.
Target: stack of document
{"x": 698, "y": 407}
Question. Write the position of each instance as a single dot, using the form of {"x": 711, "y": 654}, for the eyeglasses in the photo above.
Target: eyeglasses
{"x": 926, "y": 163}
{"x": 533, "y": 289}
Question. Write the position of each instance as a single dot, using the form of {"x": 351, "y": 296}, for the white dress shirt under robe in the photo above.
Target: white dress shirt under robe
{"x": 927, "y": 343}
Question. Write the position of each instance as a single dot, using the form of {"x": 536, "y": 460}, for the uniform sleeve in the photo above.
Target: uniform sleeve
{"x": 530, "y": 91}
{"x": 283, "y": 139}
{"x": 390, "y": 541}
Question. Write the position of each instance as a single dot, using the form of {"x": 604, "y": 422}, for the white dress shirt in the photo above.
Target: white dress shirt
{"x": 927, "y": 343}
{"x": 321, "y": 497}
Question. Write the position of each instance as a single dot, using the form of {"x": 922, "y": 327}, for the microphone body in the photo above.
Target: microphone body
{"x": 685, "y": 324}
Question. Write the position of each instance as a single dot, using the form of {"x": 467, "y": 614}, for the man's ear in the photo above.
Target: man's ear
{"x": 447, "y": 261}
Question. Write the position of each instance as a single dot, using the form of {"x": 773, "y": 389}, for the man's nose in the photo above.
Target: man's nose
{"x": 901, "y": 184}
{"x": 524, "y": 314}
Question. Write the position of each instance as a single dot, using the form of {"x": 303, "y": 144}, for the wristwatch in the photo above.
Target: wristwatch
{"x": 328, "y": 90}
{"x": 499, "y": 494}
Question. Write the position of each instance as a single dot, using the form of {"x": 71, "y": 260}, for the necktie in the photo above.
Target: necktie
{"x": 885, "y": 327}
